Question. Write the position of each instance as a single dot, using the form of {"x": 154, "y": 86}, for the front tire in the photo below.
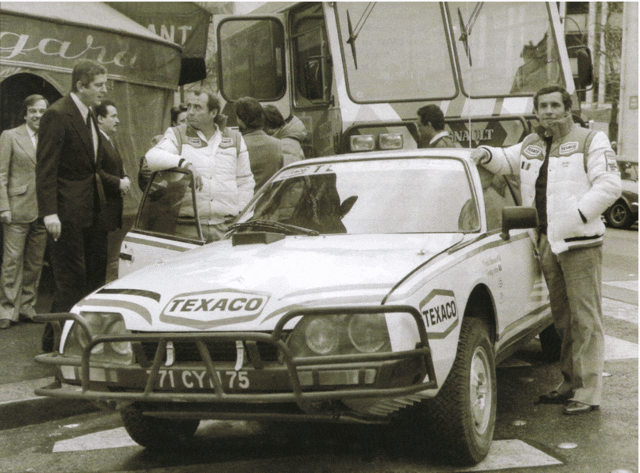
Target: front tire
{"x": 459, "y": 422}
{"x": 618, "y": 216}
{"x": 156, "y": 433}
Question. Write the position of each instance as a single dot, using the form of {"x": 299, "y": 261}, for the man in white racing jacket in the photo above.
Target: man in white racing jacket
{"x": 569, "y": 174}
{"x": 218, "y": 158}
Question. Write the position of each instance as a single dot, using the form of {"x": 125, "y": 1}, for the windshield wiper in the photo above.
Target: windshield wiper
{"x": 466, "y": 30}
{"x": 269, "y": 225}
{"x": 353, "y": 34}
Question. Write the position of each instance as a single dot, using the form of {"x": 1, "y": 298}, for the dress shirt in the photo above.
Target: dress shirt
{"x": 84, "y": 111}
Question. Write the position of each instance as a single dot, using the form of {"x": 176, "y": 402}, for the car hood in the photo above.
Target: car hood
{"x": 294, "y": 271}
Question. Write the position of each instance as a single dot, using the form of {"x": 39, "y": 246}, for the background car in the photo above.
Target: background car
{"x": 378, "y": 287}
{"x": 624, "y": 212}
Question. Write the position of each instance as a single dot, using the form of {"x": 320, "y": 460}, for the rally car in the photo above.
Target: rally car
{"x": 377, "y": 287}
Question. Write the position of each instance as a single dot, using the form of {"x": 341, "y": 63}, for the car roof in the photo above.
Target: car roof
{"x": 460, "y": 153}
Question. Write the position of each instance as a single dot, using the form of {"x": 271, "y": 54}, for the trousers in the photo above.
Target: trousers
{"x": 574, "y": 279}
{"x": 23, "y": 253}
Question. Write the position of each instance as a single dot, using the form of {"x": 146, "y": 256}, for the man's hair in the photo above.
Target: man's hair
{"x": 101, "y": 110}
{"x": 566, "y": 97}
{"x": 175, "y": 111}
{"x": 272, "y": 117}
{"x": 29, "y": 101}
{"x": 212, "y": 104}
{"x": 431, "y": 114}
{"x": 85, "y": 71}
{"x": 250, "y": 112}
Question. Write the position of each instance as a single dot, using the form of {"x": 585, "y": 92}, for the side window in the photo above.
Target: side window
{"x": 251, "y": 56}
{"x": 168, "y": 206}
{"x": 311, "y": 57}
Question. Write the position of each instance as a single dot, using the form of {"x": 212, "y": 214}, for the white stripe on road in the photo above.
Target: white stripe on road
{"x": 513, "y": 454}
{"x": 115, "y": 438}
{"x": 616, "y": 349}
{"x": 629, "y": 285}
{"x": 22, "y": 390}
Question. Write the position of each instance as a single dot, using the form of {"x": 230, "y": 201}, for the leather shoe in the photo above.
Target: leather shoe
{"x": 554, "y": 397}
{"x": 576, "y": 407}
{"x": 5, "y": 323}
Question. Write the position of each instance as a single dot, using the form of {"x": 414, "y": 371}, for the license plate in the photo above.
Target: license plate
{"x": 181, "y": 380}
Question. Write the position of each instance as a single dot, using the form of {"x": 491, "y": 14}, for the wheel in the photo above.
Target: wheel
{"x": 618, "y": 215}
{"x": 551, "y": 343}
{"x": 155, "y": 433}
{"x": 458, "y": 423}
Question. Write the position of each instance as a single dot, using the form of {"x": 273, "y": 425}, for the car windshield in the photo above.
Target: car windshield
{"x": 369, "y": 196}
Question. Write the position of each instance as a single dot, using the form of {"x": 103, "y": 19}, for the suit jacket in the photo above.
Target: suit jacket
{"x": 18, "y": 175}
{"x": 111, "y": 171}
{"x": 66, "y": 169}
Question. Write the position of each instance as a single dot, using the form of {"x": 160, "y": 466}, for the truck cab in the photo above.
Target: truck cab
{"x": 356, "y": 73}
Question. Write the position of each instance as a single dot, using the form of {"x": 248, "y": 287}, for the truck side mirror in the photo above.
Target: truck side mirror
{"x": 518, "y": 217}
{"x": 585, "y": 68}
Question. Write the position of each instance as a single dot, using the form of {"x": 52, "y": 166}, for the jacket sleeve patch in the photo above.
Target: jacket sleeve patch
{"x": 612, "y": 164}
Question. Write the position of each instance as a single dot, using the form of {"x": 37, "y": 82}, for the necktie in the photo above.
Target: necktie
{"x": 89, "y": 122}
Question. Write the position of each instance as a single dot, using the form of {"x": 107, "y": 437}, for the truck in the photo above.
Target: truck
{"x": 356, "y": 73}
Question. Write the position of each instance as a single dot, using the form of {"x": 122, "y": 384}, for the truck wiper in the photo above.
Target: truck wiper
{"x": 353, "y": 33}
{"x": 278, "y": 226}
{"x": 466, "y": 30}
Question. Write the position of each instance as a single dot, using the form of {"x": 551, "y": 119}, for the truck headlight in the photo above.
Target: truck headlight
{"x": 340, "y": 335}
{"x": 100, "y": 323}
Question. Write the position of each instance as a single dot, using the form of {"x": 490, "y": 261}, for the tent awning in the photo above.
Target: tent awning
{"x": 53, "y": 36}
{"x": 184, "y": 23}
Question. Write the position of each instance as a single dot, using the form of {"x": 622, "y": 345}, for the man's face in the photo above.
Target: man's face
{"x": 94, "y": 92}
{"x": 109, "y": 123}
{"x": 198, "y": 114}
{"x": 34, "y": 114}
{"x": 426, "y": 131}
{"x": 550, "y": 108}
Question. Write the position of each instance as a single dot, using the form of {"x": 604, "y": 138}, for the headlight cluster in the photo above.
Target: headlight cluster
{"x": 101, "y": 323}
{"x": 340, "y": 335}
{"x": 383, "y": 140}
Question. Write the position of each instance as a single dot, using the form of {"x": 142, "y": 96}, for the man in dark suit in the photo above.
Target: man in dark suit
{"x": 68, "y": 186}
{"x": 116, "y": 184}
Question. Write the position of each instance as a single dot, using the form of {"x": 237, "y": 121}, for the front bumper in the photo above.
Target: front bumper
{"x": 305, "y": 381}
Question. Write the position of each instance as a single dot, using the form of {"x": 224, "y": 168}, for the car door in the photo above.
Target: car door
{"x": 522, "y": 294}
{"x": 167, "y": 222}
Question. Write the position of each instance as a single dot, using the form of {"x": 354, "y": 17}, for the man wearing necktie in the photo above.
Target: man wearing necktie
{"x": 116, "y": 185}
{"x": 25, "y": 237}
{"x": 69, "y": 189}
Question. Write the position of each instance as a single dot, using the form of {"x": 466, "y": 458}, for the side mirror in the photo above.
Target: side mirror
{"x": 585, "y": 68}
{"x": 518, "y": 217}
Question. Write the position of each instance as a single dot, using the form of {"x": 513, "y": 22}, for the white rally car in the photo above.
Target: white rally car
{"x": 373, "y": 287}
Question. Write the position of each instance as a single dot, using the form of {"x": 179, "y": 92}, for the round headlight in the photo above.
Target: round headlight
{"x": 121, "y": 348}
{"x": 321, "y": 336}
{"x": 368, "y": 332}
{"x": 83, "y": 340}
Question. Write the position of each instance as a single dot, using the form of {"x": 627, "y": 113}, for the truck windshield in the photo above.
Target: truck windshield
{"x": 505, "y": 48}
{"x": 401, "y": 51}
